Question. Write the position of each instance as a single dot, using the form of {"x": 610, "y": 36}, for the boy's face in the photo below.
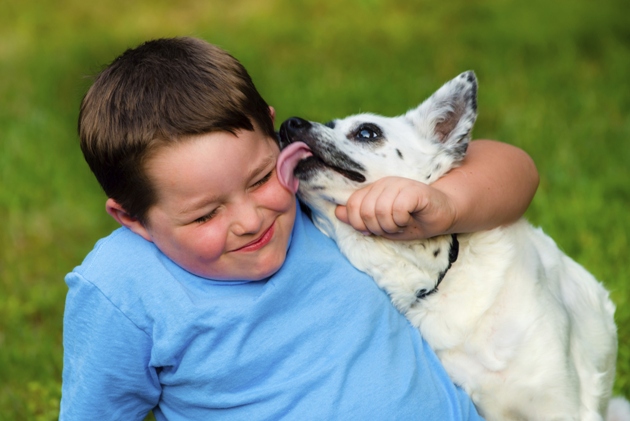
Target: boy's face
{"x": 221, "y": 212}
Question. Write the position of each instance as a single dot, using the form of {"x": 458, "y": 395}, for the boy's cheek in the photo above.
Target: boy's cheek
{"x": 279, "y": 198}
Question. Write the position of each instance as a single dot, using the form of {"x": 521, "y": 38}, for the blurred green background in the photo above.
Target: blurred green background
{"x": 554, "y": 80}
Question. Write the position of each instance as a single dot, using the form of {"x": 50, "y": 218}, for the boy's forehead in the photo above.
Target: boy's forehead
{"x": 203, "y": 169}
{"x": 224, "y": 137}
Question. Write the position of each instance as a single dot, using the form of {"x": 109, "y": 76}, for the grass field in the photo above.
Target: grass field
{"x": 554, "y": 80}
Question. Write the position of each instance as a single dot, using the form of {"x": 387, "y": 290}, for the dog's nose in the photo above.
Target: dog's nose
{"x": 296, "y": 123}
{"x": 291, "y": 130}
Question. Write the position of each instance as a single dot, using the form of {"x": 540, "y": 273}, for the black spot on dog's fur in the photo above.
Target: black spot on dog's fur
{"x": 460, "y": 150}
{"x": 400, "y": 155}
{"x": 421, "y": 293}
{"x": 436, "y": 252}
{"x": 305, "y": 209}
{"x": 452, "y": 257}
{"x": 473, "y": 98}
{"x": 470, "y": 77}
{"x": 330, "y": 124}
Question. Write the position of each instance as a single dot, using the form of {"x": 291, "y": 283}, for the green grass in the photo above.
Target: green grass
{"x": 553, "y": 80}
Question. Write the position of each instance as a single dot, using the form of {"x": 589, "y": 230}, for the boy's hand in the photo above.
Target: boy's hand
{"x": 493, "y": 186}
{"x": 399, "y": 209}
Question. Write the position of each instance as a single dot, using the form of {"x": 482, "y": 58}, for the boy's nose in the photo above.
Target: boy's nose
{"x": 247, "y": 220}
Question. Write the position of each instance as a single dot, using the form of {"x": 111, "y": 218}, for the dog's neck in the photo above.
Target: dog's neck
{"x": 453, "y": 253}
{"x": 323, "y": 214}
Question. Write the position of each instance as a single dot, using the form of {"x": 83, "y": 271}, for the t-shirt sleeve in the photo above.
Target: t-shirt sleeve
{"x": 107, "y": 373}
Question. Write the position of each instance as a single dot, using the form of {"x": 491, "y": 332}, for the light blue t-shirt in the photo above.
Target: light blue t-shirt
{"x": 316, "y": 341}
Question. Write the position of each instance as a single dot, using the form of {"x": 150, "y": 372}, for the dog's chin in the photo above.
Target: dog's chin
{"x": 310, "y": 166}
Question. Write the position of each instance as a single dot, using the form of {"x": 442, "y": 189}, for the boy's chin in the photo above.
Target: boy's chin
{"x": 261, "y": 273}
{"x": 268, "y": 272}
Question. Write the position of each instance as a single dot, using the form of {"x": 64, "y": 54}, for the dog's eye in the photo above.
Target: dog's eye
{"x": 367, "y": 132}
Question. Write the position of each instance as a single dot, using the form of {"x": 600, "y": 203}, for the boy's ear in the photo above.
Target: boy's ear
{"x": 123, "y": 218}
{"x": 272, "y": 113}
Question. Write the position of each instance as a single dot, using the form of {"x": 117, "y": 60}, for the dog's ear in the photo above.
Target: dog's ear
{"x": 449, "y": 114}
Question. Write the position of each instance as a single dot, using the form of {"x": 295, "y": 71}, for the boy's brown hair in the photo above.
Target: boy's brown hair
{"x": 154, "y": 95}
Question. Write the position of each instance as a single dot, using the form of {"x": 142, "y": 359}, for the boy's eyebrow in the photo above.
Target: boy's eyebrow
{"x": 268, "y": 160}
{"x": 193, "y": 207}
{"x": 201, "y": 203}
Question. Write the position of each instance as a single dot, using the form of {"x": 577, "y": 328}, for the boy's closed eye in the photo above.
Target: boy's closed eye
{"x": 206, "y": 217}
{"x": 211, "y": 214}
{"x": 263, "y": 180}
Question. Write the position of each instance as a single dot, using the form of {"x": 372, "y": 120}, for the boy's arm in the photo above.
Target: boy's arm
{"x": 106, "y": 373}
{"x": 493, "y": 186}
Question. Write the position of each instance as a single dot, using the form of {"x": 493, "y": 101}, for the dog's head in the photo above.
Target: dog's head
{"x": 332, "y": 160}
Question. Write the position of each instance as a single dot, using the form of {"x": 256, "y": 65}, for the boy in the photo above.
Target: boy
{"x": 218, "y": 299}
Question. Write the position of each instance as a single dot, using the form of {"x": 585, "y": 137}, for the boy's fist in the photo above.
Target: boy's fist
{"x": 399, "y": 209}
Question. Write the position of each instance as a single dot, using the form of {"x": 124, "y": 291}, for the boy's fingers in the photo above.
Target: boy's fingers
{"x": 353, "y": 207}
{"x": 383, "y": 208}
{"x": 344, "y": 215}
{"x": 367, "y": 214}
{"x": 370, "y": 209}
{"x": 402, "y": 207}
{"x": 341, "y": 212}
{"x": 384, "y": 218}
{"x": 376, "y": 211}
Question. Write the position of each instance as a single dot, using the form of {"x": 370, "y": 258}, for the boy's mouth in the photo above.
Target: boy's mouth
{"x": 260, "y": 242}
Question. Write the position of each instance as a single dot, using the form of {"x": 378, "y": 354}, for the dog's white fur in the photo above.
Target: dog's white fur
{"x": 526, "y": 331}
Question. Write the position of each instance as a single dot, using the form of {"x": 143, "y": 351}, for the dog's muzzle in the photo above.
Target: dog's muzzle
{"x": 323, "y": 152}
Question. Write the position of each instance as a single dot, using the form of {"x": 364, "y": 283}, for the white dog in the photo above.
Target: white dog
{"x": 525, "y": 330}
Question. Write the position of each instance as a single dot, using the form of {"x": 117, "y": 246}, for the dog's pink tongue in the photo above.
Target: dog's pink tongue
{"x": 288, "y": 160}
